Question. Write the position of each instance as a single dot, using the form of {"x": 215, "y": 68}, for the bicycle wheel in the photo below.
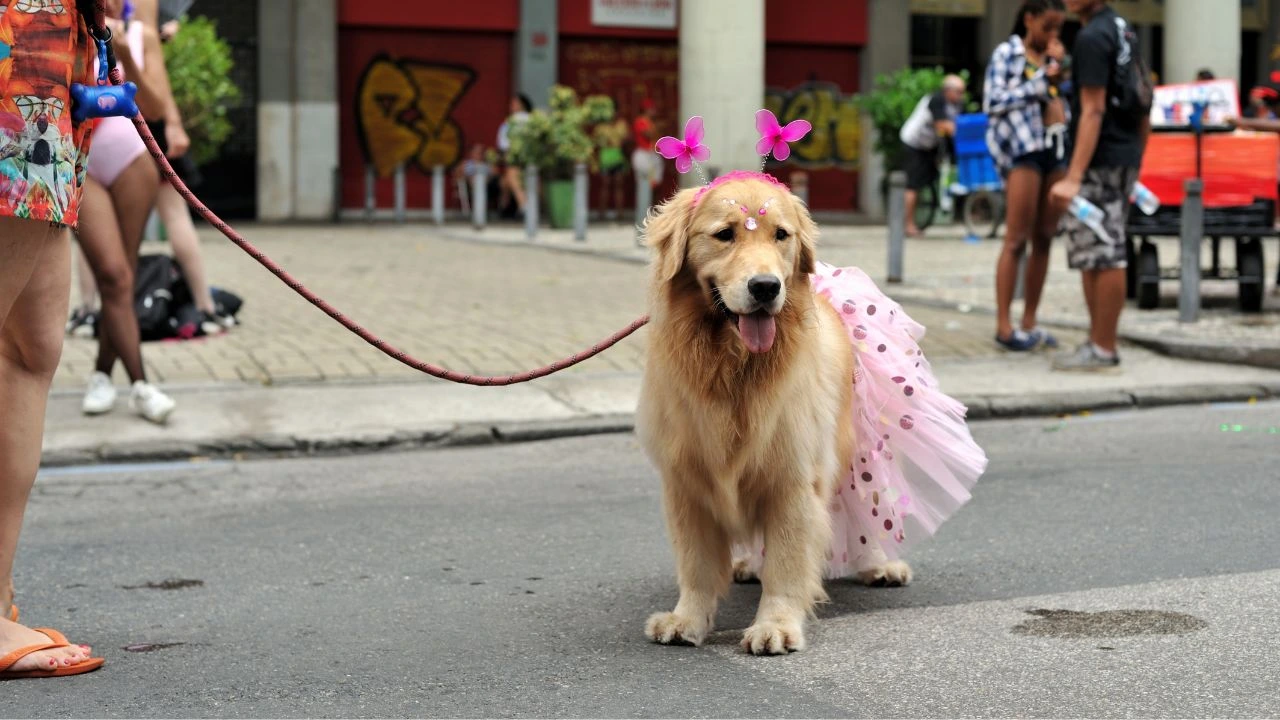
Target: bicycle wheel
{"x": 983, "y": 211}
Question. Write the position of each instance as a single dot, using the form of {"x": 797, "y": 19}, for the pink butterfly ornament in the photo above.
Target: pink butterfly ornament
{"x": 685, "y": 151}
{"x": 774, "y": 137}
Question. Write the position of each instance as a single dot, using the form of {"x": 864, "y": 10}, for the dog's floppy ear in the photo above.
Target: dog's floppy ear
{"x": 806, "y": 235}
{"x": 666, "y": 230}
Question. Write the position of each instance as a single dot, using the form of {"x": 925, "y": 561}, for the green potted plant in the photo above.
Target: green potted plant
{"x": 199, "y": 64}
{"x": 555, "y": 141}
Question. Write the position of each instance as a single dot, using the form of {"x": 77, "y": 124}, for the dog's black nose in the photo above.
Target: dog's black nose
{"x": 764, "y": 288}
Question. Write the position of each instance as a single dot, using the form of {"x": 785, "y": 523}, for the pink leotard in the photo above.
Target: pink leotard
{"x": 116, "y": 143}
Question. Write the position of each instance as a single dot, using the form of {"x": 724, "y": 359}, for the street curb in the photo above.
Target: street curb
{"x": 1002, "y": 407}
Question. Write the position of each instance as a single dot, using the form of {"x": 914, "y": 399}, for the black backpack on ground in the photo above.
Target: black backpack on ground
{"x": 158, "y": 291}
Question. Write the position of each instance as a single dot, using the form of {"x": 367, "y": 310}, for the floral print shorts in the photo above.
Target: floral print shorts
{"x": 45, "y": 46}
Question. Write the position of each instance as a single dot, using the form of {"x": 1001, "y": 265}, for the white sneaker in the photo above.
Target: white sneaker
{"x": 148, "y": 401}
{"x": 101, "y": 395}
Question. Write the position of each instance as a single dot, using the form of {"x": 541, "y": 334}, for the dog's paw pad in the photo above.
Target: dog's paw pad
{"x": 743, "y": 572}
{"x": 890, "y": 574}
{"x": 672, "y": 629}
{"x": 773, "y": 638}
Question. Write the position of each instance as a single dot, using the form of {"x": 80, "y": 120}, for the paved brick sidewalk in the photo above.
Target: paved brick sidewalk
{"x": 944, "y": 269}
{"x": 482, "y": 308}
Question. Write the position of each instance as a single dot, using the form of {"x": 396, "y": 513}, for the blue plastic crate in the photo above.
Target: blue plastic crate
{"x": 971, "y": 135}
{"x": 975, "y": 168}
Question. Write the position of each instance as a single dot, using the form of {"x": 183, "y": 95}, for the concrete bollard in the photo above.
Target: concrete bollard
{"x": 1189, "y": 257}
{"x": 400, "y": 194}
{"x": 580, "y": 202}
{"x": 897, "y": 223}
{"x": 644, "y": 198}
{"x": 437, "y": 194}
{"x": 479, "y": 197}
{"x": 531, "y": 203}
{"x": 800, "y": 186}
{"x": 370, "y": 192}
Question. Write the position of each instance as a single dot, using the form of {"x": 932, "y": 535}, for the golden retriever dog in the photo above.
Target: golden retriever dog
{"x": 745, "y": 407}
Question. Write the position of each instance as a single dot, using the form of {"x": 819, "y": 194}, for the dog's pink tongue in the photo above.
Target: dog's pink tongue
{"x": 758, "y": 330}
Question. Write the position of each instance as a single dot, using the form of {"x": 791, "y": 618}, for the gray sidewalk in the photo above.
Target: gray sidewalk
{"x": 943, "y": 269}
{"x": 290, "y": 381}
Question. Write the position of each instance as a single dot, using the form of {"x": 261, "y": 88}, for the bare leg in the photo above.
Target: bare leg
{"x": 913, "y": 199}
{"x": 513, "y": 182}
{"x": 1108, "y": 302}
{"x": 110, "y": 234}
{"x": 1023, "y": 191}
{"x": 1046, "y": 225}
{"x": 35, "y": 287}
{"x": 88, "y": 289}
{"x": 176, "y": 217}
{"x": 1089, "y": 280}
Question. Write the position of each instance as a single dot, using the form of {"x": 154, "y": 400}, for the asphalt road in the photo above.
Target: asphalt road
{"x": 1110, "y": 566}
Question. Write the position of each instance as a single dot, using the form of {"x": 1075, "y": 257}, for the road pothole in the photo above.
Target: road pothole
{"x": 1069, "y": 624}
{"x": 170, "y": 584}
{"x": 150, "y": 647}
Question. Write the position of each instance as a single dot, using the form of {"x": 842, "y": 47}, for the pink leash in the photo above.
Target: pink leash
{"x": 391, "y": 351}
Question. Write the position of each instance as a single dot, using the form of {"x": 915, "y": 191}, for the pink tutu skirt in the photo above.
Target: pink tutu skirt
{"x": 914, "y": 459}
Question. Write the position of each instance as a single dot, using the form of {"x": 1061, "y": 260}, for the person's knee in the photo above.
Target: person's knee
{"x": 36, "y": 350}
{"x": 1015, "y": 243}
{"x": 115, "y": 282}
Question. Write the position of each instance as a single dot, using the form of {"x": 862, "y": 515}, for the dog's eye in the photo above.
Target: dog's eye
{"x": 781, "y": 234}
{"x": 726, "y": 234}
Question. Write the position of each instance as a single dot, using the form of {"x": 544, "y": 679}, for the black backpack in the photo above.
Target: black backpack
{"x": 1131, "y": 93}
{"x": 159, "y": 290}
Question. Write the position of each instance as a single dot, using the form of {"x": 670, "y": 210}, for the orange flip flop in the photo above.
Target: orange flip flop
{"x": 13, "y": 613}
{"x": 59, "y": 641}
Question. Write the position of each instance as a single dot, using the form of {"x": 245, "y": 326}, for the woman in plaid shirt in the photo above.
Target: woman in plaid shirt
{"x": 1027, "y": 137}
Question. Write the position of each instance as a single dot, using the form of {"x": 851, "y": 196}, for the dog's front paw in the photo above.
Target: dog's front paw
{"x": 890, "y": 574}
{"x": 773, "y": 638}
{"x": 671, "y": 629}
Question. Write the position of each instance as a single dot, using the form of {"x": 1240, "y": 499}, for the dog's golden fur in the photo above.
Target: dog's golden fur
{"x": 749, "y": 445}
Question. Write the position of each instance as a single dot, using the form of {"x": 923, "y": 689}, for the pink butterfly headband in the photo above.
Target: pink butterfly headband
{"x": 690, "y": 151}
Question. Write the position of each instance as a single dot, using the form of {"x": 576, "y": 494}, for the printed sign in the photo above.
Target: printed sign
{"x": 634, "y": 13}
{"x": 1172, "y": 104}
{"x": 954, "y": 8}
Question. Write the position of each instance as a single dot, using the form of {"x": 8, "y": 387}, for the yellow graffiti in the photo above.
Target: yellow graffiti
{"x": 403, "y": 109}
{"x": 837, "y": 125}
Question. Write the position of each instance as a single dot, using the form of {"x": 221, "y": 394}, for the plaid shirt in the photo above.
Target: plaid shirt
{"x": 1012, "y": 103}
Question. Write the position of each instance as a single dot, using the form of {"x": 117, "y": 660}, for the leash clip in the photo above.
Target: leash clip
{"x": 104, "y": 99}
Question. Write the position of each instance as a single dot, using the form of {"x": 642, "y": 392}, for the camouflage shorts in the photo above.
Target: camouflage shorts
{"x": 1109, "y": 189}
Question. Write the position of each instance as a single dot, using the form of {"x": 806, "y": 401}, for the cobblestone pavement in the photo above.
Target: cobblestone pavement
{"x": 943, "y": 268}
{"x": 475, "y": 307}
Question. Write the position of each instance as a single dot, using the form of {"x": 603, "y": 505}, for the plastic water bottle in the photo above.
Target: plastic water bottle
{"x": 1147, "y": 201}
{"x": 1089, "y": 214}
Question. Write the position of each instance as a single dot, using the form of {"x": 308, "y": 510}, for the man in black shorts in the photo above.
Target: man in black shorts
{"x": 933, "y": 120}
{"x": 1109, "y": 132}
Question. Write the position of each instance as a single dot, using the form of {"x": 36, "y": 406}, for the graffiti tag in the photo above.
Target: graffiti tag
{"x": 837, "y": 124}
{"x": 403, "y": 112}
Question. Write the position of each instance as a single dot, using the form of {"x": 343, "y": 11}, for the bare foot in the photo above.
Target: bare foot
{"x": 14, "y": 636}
{"x": 913, "y": 231}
